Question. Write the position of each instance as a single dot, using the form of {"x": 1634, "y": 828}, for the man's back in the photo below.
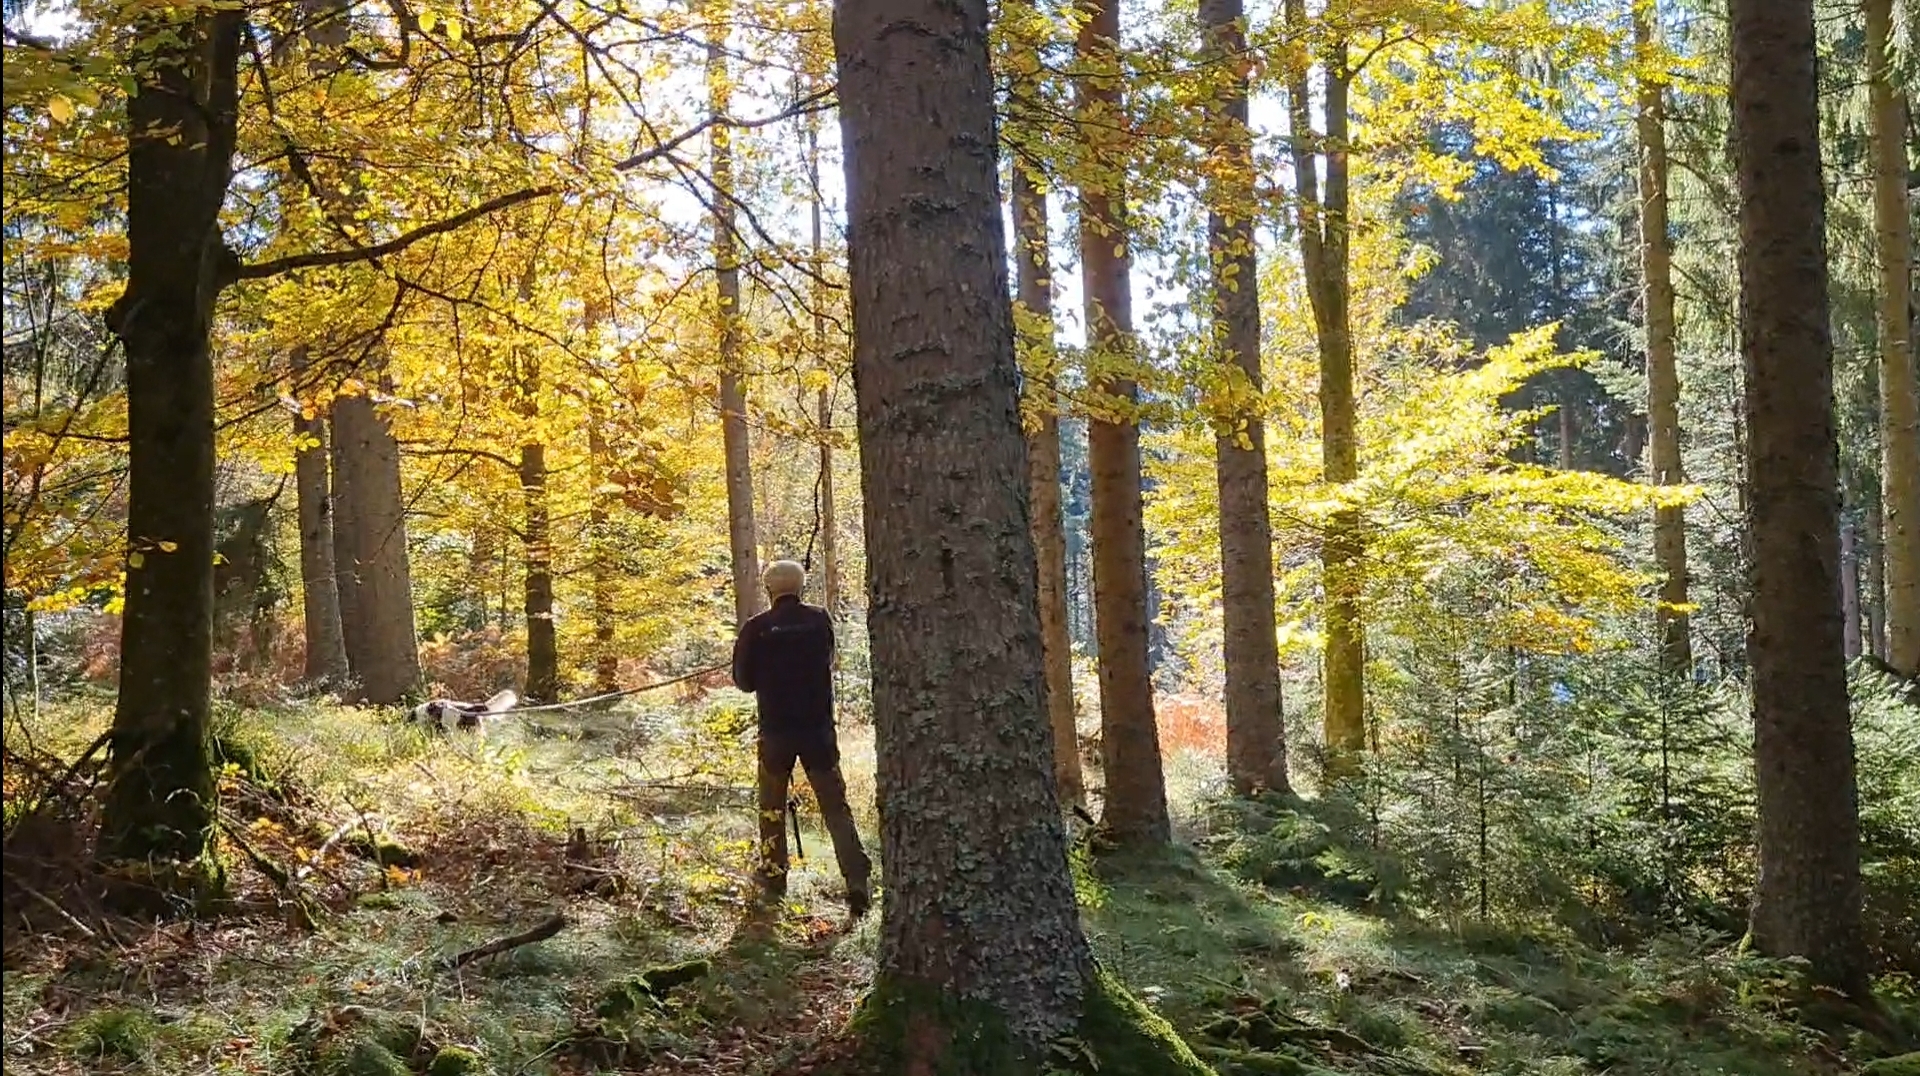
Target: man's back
{"x": 785, "y": 657}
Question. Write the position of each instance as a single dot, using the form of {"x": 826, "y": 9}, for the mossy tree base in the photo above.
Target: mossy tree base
{"x": 909, "y": 1030}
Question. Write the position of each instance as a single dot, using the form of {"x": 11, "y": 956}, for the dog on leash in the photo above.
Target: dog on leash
{"x": 447, "y": 715}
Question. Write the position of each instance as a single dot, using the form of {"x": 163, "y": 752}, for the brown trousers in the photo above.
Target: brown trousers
{"x": 821, "y": 757}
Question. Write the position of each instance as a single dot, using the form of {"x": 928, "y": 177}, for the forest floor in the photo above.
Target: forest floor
{"x": 365, "y": 856}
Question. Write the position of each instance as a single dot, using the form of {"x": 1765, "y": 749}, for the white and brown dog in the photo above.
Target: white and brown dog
{"x": 446, "y": 715}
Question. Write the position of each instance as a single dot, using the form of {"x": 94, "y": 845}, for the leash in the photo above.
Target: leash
{"x": 609, "y": 696}
{"x": 793, "y": 812}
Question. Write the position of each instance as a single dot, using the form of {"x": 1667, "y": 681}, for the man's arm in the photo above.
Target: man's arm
{"x": 743, "y": 658}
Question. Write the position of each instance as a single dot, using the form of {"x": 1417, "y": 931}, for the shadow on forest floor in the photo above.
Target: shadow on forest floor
{"x": 438, "y": 847}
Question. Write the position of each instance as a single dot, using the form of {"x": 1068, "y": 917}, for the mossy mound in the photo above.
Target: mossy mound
{"x": 902, "y": 1028}
{"x": 456, "y": 1061}
{"x": 356, "y": 1041}
{"x": 621, "y": 999}
{"x": 1903, "y": 1065}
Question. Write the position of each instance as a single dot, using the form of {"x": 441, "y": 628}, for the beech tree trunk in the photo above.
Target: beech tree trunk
{"x": 741, "y": 535}
{"x": 1324, "y": 255}
{"x": 543, "y": 646}
{"x": 1876, "y": 586}
{"x": 1849, "y": 585}
{"x": 829, "y": 522}
{"x": 370, "y": 553}
{"x": 982, "y": 961}
{"x": 1033, "y": 263}
{"x": 606, "y": 657}
{"x": 1663, "y": 372}
{"x": 1899, "y": 376}
{"x": 326, "y": 657}
{"x": 1807, "y": 898}
{"x": 543, "y": 651}
{"x": 1135, "y": 798}
{"x": 1256, "y": 735}
{"x": 159, "y": 804}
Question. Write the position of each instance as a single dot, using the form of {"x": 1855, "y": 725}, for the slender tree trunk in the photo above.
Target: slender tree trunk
{"x": 326, "y": 659}
{"x": 982, "y": 960}
{"x": 370, "y": 552}
{"x": 1807, "y": 899}
{"x": 543, "y": 645}
{"x": 1899, "y": 377}
{"x": 543, "y": 651}
{"x": 829, "y": 523}
{"x": 1850, "y": 584}
{"x": 741, "y": 535}
{"x": 1876, "y": 585}
{"x": 1325, "y": 259}
{"x": 1663, "y": 371}
{"x": 606, "y": 657}
{"x": 1033, "y": 263}
{"x": 159, "y": 804}
{"x": 1136, "y": 796}
{"x": 1256, "y": 736}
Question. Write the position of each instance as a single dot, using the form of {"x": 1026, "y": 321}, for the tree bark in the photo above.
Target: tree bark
{"x": 1850, "y": 585}
{"x": 543, "y": 645}
{"x": 829, "y": 522}
{"x": 741, "y": 535}
{"x": 1032, "y": 238}
{"x": 1256, "y": 736}
{"x": 1324, "y": 255}
{"x": 606, "y": 657}
{"x": 159, "y": 805}
{"x": 1807, "y": 898}
{"x": 543, "y": 650}
{"x": 1663, "y": 371}
{"x": 1135, "y": 797}
{"x": 1876, "y": 586}
{"x": 982, "y": 959}
{"x": 1899, "y": 376}
{"x": 326, "y": 657}
{"x": 370, "y": 552}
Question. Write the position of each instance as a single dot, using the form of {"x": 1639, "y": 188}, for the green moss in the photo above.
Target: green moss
{"x": 456, "y": 1061}
{"x": 903, "y": 1028}
{"x": 1903, "y": 1065}
{"x": 358, "y": 1057}
{"x": 117, "y": 1034}
{"x": 622, "y": 999}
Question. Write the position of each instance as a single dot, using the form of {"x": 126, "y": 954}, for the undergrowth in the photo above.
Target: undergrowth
{"x": 367, "y": 856}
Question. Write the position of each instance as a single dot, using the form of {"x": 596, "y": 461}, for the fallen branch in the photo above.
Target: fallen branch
{"x": 58, "y": 910}
{"x": 545, "y": 930}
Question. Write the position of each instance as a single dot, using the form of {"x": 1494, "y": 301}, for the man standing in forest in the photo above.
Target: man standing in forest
{"x": 784, "y": 657}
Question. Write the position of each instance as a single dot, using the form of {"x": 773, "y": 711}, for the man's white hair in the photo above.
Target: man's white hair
{"x": 784, "y": 577}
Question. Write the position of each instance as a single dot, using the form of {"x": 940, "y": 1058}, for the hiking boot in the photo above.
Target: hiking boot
{"x": 858, "y": 902}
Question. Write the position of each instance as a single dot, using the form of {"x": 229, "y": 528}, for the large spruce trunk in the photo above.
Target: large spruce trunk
{"x": 1035, "y": 290}
{"x": 326, "y": 648}
{"x": 1663, "y": 371}
{"x": 1135, "y": 796}
{"x": 370, "y": 553}
{"x": 741, "y": 534}
{"x": 1807, "y": 898}
{"x": 1899, "y": 376}
{"x": 158, "y": 809}
{"x": 982, "y": 960}
{"x": 1256, "y": 737}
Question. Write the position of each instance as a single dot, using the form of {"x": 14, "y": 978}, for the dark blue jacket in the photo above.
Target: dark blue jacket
{"x": 784, "y": 657}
